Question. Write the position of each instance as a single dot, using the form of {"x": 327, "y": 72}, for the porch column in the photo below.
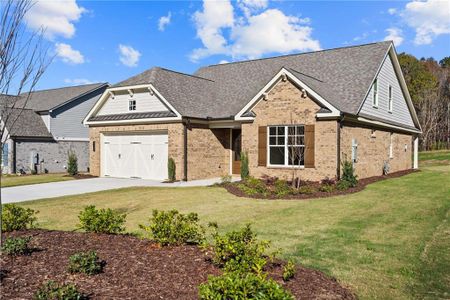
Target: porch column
{"x": 416, "y": 153}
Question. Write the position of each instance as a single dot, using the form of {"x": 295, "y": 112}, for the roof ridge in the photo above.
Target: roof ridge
{"x": 185, "y": 74}
{"x": 65, "y": 87}
{"x": 293, "y": 54}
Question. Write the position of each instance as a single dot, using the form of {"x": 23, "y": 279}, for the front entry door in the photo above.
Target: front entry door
{"x": 236, "y": 151}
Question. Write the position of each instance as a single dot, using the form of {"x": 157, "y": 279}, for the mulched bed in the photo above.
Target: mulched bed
{"x": 362, "y": 183}
{"x": 81, "y": 176}
{"x": 135, "y": 269}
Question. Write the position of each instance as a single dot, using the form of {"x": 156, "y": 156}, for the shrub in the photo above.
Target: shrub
{"x": 281, "y": 188}
{"x": 85, "y": 262}
{"x": 171, "y": 167}
{"x": 16, "y": 245}
{"x": 101, "y": 220}
{"x": 288, "y": 271}
{"x": 343, "y": 185}
{"x": 328, "y": 181}
{"x": 348, "y": 173}
{"x": 253, "y": 186}
{"x": 326, "y": 188}
{"x": 306, "y": 189}
{"x": 173, "y": 228}
{"x": 242, "y": 286}
{"x": 15, "y": 217}
{"x": 239, "y": 250}
{"x": 225, "y": 179}
{"x": 245, "y": 172}
{"x": 269, "y": 180}
{"x": 54, "y": 291}
{"x": 72, "y": 163}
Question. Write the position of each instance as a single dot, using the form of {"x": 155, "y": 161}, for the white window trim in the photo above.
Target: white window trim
{"x": 375, "y": 93}
{"x": 390, "y": 98}
{"x": 286, "y": 149}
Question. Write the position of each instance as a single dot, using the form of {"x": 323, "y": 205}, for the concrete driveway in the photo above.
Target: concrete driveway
{"x": 82, "y": 186}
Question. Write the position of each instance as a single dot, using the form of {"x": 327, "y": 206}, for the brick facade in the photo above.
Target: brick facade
{"x": 208, "y": 150}
{"x": 285, "y": 105}
{"x": 373, "y": 150}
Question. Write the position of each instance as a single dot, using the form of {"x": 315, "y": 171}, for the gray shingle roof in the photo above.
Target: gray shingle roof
{"x": 44, "y": 100}
{"x": 341, "y": 76}
{"x": 26, "y": 124}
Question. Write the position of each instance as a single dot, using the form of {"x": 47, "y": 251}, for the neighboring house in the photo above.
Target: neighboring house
{"x": 48, "y": 128}
{"x": 348, "y": 103}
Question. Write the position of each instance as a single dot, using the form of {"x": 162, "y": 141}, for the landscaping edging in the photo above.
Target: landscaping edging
{"x": 362, "y": 183}
{"x": 135, "y": 269}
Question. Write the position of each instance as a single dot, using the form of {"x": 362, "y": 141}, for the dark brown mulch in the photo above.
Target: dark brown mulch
{"x": 135, "y": 269}
{"x": 362, "y": 183}
{"x": 81, "y": 176}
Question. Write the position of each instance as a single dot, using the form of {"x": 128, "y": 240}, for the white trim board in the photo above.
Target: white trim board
{"x": 284, "y": 72}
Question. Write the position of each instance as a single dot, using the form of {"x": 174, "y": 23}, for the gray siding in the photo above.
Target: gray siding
{"x": 66, "y": 121}
{"x": 52, "y": 155}
{"x": 400, "y": 112}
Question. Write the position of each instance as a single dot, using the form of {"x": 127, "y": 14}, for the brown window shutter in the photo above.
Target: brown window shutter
{"x": 262, "y": 146}
{"x": 309, "y": 146}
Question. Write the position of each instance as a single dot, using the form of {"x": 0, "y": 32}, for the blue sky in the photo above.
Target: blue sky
{"x": 111, "y": 41}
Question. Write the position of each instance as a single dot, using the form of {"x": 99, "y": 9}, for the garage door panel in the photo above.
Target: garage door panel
{"x": 135, "y": 155}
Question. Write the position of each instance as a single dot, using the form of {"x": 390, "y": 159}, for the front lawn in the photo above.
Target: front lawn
{"x": 389, "y": 241}
{"x": 16, "y": 180}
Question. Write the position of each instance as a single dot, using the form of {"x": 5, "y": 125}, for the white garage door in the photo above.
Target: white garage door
{"x": 135, "y": 156}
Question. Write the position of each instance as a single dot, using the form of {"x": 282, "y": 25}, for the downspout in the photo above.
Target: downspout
{"x": 338, "y": 148}
{"x": 14, "y": 167}
{"x": 185, "y": 149}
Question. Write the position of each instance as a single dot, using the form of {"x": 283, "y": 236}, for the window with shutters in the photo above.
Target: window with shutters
{"x": 286, "y": 145}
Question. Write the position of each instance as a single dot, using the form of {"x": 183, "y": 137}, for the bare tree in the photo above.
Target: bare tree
{"x": 296, "y": 149}
{"x": 23, "y": 60}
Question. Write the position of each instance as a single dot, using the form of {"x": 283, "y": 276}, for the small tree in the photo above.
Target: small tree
{"x": 244, "y": 166}
{"x": 171, "y": 169}
{"x": 72, "y": 164}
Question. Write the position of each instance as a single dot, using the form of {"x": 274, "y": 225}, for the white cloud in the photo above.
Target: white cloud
{"x": 77, "y": 81}
{"x": 392, "y": 11}
{"x": 251, "y": 6}
{"x": 223, "y": 61}
{"x": 68, "y": 54}
{"x": 395, "y": 35}
{"x": 429, "y": 19}
{"x": 250, "y": 36}
{"x": 129, "y": 56}
{"x": 55, "y": 17}
{"x": 164, "y": 21}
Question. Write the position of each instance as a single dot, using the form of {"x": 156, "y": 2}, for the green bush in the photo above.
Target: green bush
{"x": 288, "y": 271}
{"x": 72, "y": 163}
{"x": 54, "y": 291}
{"x": 15, "y": 217}
{"x": 348, "y": 173}
{"x": 343, "y": 185}
{"x": 239, "y": 250}
{"x": 226, "y": 179}
{"x": 174, "y": 228}
{"x": 85, "y": 262}
{"x": 171, "y": 169}
{"x": 242, "y": 286}
{"x": 253, "y": 186}
{"x": 16, "y": 245}
{"x": 101, "y": 220}
{"x": 282, "y": 188}
{"x": 245, "y": 172}
{"x": 306, "y": 189}
{"x": 326, "y": 188}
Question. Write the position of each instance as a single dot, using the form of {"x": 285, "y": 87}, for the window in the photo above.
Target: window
{"x": 375, "y": 93}
{"x": 354, "y": 151}
{"x": 390, "y": 99}
{"x": 5, "y": 155}
{"x": 287, "y": 145}
{"x": 132, "y": 105}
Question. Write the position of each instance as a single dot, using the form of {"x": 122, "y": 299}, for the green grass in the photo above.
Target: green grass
{"x": 15, "y": 180}
{"x": 389, "y": 241}
{"x": 431, "y": 158}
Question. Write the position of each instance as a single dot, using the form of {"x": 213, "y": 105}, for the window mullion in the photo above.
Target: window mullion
{"x": 286, "y": 151}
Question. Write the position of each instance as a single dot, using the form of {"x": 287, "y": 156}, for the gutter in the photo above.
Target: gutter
{"x": 186, "y": 123}
{"x": 338, "y": 147}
